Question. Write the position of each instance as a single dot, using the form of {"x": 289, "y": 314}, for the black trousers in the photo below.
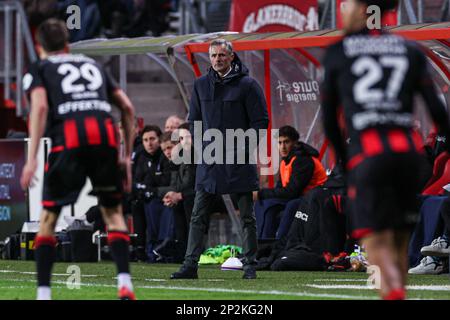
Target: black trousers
{"x": 445, "y": 214}
{"x": 139, "y": 223}
{"x": 199, "y": 225}
{"x": 182, "y": 217}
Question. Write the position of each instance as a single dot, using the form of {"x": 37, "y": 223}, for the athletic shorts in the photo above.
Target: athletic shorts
{"x": 66, "y": 172}
{"x": 382, "y": 193}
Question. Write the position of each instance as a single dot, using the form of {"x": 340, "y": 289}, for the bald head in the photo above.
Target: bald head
{"x": 172, "y": 123}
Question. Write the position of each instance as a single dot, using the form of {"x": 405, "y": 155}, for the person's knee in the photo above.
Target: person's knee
{"x": 48, "y": 220}
{"x": 378, "y": 241}
{"x": 248, "y": 219}
{"x": 155, "y": 205}
{"x": 114, "y": 218}
{"x": 198, "y": 220}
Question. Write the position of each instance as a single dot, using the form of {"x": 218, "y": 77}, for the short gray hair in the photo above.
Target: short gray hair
{"x": 220, "y": 43}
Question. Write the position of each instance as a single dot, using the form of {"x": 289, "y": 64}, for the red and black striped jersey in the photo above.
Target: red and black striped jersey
{"x": 374, "y": 76}
{"x": 78, "y": 91}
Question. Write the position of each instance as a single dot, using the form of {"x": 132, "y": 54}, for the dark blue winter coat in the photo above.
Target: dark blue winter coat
{"x": 233, "y": 102}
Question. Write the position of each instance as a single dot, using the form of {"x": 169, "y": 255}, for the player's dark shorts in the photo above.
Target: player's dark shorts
{"x": 66, "y": 172}
{"x": 382, "y": 193}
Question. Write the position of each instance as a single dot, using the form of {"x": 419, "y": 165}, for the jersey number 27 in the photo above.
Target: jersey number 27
{"x": 370, "y": 72}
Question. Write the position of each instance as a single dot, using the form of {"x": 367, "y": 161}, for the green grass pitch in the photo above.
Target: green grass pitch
{"x": 151, "y": 281}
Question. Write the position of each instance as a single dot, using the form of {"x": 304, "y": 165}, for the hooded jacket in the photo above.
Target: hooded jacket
{"x": 151, "y": 170}
{"x": 307, "y": 173}
{"x": 233, "y": 102}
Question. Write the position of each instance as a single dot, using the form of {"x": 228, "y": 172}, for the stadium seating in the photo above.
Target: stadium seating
{"x": 441, "y": 175}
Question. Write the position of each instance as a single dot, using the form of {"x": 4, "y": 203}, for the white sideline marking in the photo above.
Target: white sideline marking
{"x": 430, "y": 288}
{"x": 165, "y": 280}
{"x": 213, "y": 280}
{"x": 365, "y": 287}
{"x": 340, "y": 280}
{"x": 53, "y": 274}
{"x": 156, "y": 280}
{"x": 271, "y": 292}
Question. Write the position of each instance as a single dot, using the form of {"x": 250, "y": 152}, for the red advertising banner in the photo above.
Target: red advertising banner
{"x": 389, "y": 19}
{"x": 274, "y": 15}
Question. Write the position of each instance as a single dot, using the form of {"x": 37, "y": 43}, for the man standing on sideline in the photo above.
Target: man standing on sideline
{"x": 70, "y": 97}
{"x": 225, "y": 98}
{"x": 375, "y": 75}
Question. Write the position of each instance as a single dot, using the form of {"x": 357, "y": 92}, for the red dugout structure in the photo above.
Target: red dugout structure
{"x": 287, "y": 65}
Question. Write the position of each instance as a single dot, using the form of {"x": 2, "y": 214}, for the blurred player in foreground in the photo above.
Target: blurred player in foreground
{"x": 374, "y": 75}
{"x": 70, "y": 97}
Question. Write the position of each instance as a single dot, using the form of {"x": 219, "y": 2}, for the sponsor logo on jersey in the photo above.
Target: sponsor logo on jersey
{"x": 365, "y": 45}
{"x": 363, "y": 120}
{"x": 86, "y": 105}
{"x": 61, "y": 58}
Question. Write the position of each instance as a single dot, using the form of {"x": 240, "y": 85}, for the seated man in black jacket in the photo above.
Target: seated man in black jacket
{"x": 148, "y": 175}
{"x": 300, "y": 171}
{"x": 160, "y": 218}
{"x": 179, "y": 195}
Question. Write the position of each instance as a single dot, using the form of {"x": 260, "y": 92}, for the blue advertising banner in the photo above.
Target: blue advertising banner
{"x": 13, "y": 207}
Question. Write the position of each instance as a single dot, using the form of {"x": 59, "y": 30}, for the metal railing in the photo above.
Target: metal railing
{"x": 194, "y": 14}
{"x": 445, "y": 13}
{"x": 410, "y": 12}
{"x": 15, "y": 24}
{"x": 195, "y": 17}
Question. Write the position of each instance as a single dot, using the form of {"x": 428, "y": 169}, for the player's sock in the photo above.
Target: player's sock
{"x": 118, "y": 242}
{"x": 124, "y": 280}
{"x": 44, "y": 256}
{"x": 396, "y": 294}
{"x": 44, "y": 293}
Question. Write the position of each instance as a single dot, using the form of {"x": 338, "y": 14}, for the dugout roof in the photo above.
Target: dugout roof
{"x": 287, "y": 66}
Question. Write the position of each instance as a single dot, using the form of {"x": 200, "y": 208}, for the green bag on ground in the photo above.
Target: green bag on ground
{"x": 219, "y": 254}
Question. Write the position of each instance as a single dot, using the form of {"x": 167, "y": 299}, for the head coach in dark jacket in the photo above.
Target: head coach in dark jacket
{"x": 234, "y": 101}
{"x": 225, "y": 98}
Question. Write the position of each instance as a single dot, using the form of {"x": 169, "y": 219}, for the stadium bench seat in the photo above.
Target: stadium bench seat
{"x": 441, "y": 175}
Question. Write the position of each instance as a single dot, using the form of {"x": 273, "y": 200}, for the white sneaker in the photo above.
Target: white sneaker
{"x": 428, "y": 265}
{"x": 440, "y": 247}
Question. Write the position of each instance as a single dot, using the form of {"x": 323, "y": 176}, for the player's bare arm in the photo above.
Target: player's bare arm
{"x": 127, "y": 113}
{"x": 38, "y": 117}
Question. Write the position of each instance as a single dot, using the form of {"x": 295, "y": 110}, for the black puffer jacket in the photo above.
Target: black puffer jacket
{"x": 151, "y": 170}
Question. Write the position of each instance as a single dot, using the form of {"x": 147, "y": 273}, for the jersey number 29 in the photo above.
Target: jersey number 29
{"x": 87, "y": 71}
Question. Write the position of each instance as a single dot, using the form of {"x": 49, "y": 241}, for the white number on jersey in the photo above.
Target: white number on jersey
{"x": 87, "y": 71}
{"x": 370, "y": 72}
